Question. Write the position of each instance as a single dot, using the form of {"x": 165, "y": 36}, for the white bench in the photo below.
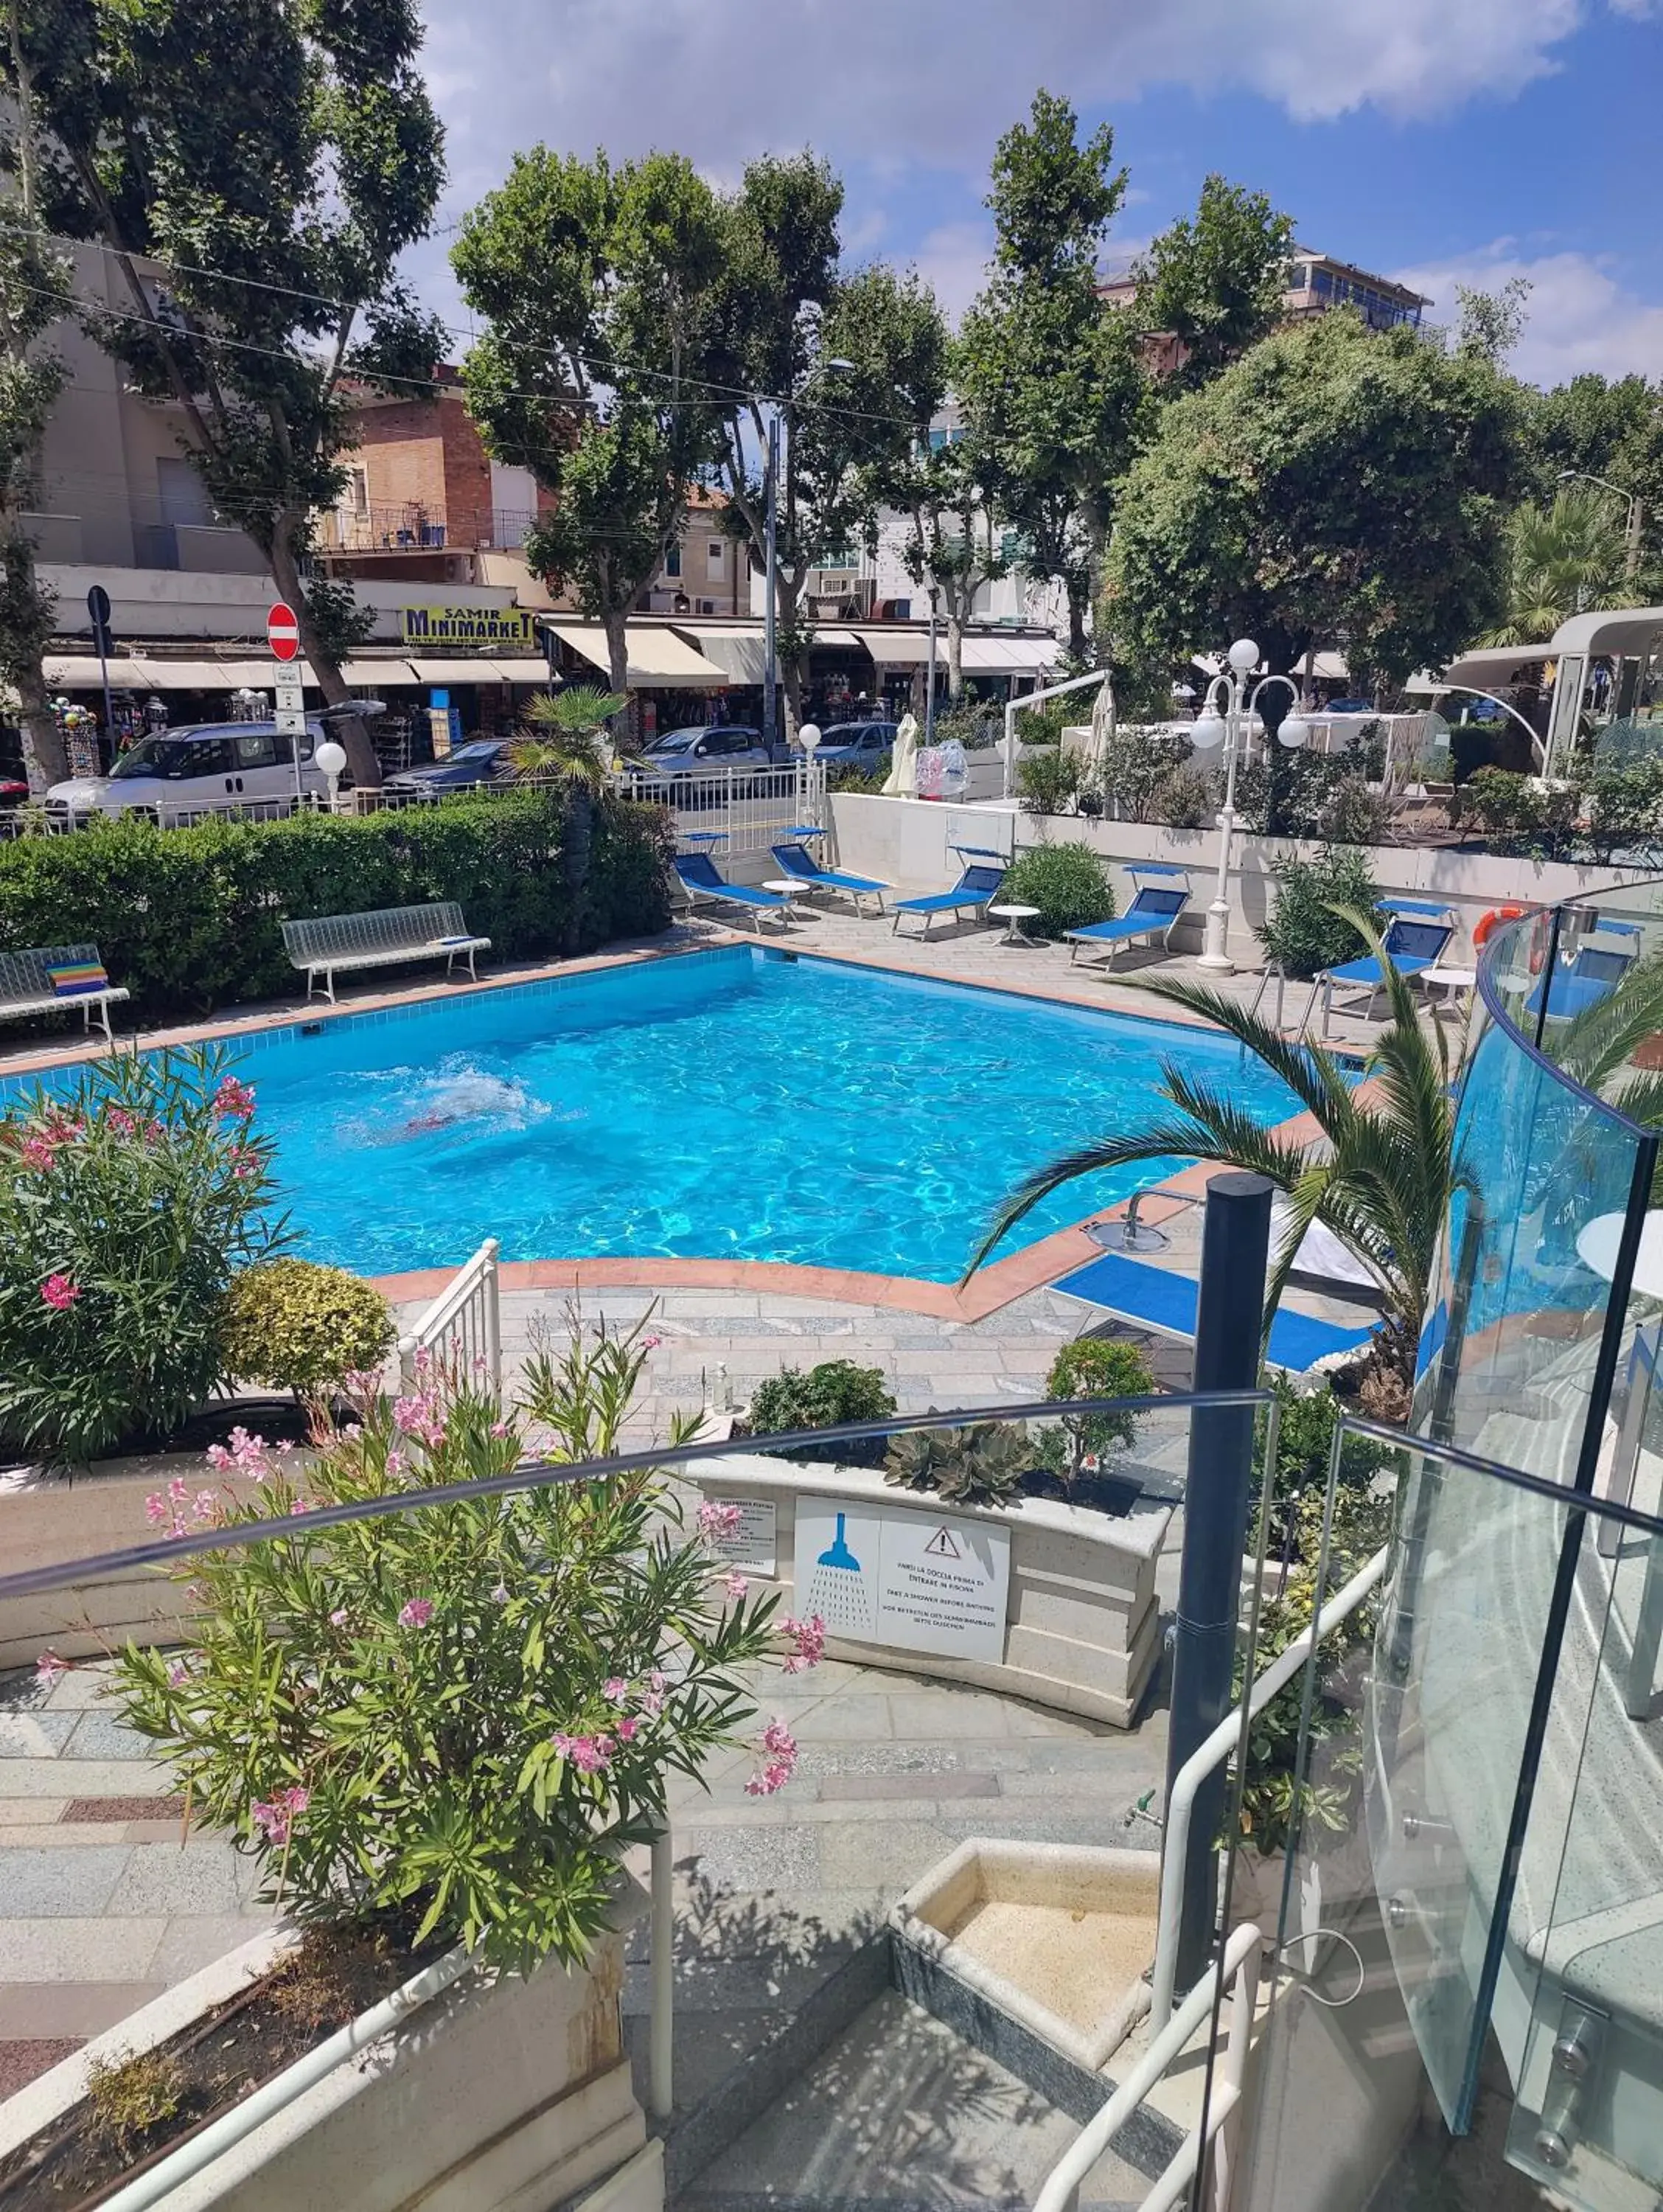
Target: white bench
{"x": 381, "y": 939}
{"x": 27, "y": 985}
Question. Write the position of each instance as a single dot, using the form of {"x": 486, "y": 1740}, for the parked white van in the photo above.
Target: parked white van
{"x": 179, "y": 774}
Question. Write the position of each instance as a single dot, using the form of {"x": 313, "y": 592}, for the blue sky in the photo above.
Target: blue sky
{"x": 1437, "y": 140}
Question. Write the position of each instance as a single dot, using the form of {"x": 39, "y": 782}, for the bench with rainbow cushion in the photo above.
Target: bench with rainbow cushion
{"x": 52, "y": 976}
{"x": 1166, "y": 1302}
{"x": 1157, "y": 901}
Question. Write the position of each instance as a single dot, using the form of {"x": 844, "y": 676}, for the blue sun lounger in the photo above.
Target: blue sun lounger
{"x": 1601, "y": 960}
{"x": 1155, "y": 906}
{"x": 702, "y": 879}
{"x": 1416, "y": 938}
{"x": 796, "y": 860}
{"x": 978, "y": 887}
{"x": 1166, "y": 1302}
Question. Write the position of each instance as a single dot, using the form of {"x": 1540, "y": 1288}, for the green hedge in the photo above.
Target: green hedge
{"x": 188, "y": 920}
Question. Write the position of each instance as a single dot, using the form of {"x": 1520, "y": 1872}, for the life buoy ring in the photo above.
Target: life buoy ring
{"x": 1492, "y": 920}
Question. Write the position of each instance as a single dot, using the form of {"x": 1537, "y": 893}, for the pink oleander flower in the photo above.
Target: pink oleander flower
{"x": 37, "y": 1152}
{"x": 735, "y": 1586}
{"x": 48, "y": 1667}
{"x": 629, "y": 1729}
{"x": 417, "y": 1614}
{"x": 500, "y": 1595}
{"x": 396, "y": 1461}
{"x": 778, "y": 1739}
{"x": 500, "y": 1429}
{"x": 808, "y": 1643}
{"x": 418, "y": 1416}
{"x": 716, "y": 1519}
{"x": 273, "y": 1816}
{"x": 360, "y": 1382}
{"x": 59, "y": 1293}
{"x": 177, "y": 1675}
{"x": 338, "y": 1618}
{"x": 589, "y": 1754}
{"x": 780, "y": 1764}
{"x": 123, "y": 1123}
{"x": 773, "y": 1777}
{"x": 614, "y": 1689}
{"x": 233, "y": 1101}
{"x": 61, "y": 1127}
{"x": 651, "y": 1343}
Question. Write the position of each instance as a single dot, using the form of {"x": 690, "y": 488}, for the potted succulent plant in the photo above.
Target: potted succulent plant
{"x": 438, "y": 1730}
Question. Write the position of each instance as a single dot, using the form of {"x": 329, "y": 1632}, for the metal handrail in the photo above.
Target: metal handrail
{"x": 1239, "y": 1967}
{"x": 468, "y": 1308}
{"x": 1212, "y": 1753}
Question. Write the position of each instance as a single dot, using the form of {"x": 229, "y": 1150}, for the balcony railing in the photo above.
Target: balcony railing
{"x": 413, "y": 527}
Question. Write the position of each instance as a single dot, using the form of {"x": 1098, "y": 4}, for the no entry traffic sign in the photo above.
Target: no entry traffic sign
{"x": 282, "y": 631}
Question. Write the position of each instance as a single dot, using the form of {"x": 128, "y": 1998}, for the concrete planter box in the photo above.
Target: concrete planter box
{"x": 1057, "y": 1937}
{"x": 46, "y": 1517}
{"x": 499, "y": 2095}
{"x": 1082, "y": 1622}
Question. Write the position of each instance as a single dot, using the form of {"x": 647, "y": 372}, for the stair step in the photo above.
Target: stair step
{"x": 899, "y": 2114}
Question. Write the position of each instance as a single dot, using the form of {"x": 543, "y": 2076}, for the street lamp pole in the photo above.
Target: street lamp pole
{"x": 930, "y": 695}
{"x": 1231, "y": 729}
{"x": 770, "y": 677}
{"x": 1631, "y": 525}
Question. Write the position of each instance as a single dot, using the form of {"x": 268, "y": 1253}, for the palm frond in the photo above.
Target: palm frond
{"x": 1313, "y": 1074}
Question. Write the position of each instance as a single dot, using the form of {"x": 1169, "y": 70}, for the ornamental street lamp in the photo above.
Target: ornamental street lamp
{"x": 1233, "y": 726}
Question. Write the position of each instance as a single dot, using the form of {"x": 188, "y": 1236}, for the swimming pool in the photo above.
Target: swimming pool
{"x": 729, "y": 1104}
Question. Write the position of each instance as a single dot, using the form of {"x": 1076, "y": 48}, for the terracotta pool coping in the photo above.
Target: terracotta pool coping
{"x": 1030, "y": 1269}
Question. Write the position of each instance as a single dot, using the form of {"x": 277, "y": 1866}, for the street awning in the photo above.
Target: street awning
{"x": 1010, "y": 656}
{"x": 461, "y": 669}
{"x": 659, "y": 659}
{"x": 900, "y": 648}
{"x": 218, "y": 675}
{"x": 527, "y": 669}
{"x": 374, "y": 673}
{"x": 1331, "y": 667}
{"x": 79, "y": 671}
{"x": 848, "y": 639}
{"x": 740, "y": 653}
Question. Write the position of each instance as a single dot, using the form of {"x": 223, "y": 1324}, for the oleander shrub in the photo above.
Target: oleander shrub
{"x": 297, "y": 1325}
{"x": 130, "y": 1195}
{"x": 1069, "y": 884}
{"x": 1301, "y": 929}
{"x": 190, "y": 920}
{"x": 461, "y": 1717}
{"x": 1048, "y": 783}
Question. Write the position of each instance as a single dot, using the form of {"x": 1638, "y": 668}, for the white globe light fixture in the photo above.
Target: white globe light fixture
{"x": 1244, "y": 655}
{"x": 1207, "y": 730}
{"x": 331, "y": 758}
{"x": 1295, "y": 732}
{"x": 808, "y": 738}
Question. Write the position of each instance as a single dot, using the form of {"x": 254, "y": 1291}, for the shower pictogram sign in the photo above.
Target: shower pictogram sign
{"x": 880, "y": 1574}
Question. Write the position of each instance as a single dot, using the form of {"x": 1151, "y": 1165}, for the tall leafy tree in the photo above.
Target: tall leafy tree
{"x": 1049, "y": 375}
{"x": 1602, "y": 426}
{"x": 255, "y": 168}
{"x": 603, "y": 288}
{"x": 855, "y": 365}
{"x": 1216, "y": 280}
{"x": 952, "y": 545}
{"x": 1334, "y": 483}
{"x": 35, "y": 289}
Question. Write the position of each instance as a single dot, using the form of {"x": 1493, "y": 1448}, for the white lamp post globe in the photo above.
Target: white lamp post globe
{"x": 1244, "y": 655}
{"x": 331, "y": 758}
{"x": 1295, "y": 732}
{"x": 809, "y": 735}
{"x": 1207, "y": 730}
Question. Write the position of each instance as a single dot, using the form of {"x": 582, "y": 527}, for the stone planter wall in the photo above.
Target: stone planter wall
{"x": 1081, "y": 1627}
{"x": 45, "y": 1518}
{"x": 500, "y": 2095}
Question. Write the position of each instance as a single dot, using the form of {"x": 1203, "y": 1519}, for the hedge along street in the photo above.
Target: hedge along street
{"x": 190, "y": 920}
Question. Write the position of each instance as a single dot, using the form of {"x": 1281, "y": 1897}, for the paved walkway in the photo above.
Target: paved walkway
{"x": 101, "y": 1907}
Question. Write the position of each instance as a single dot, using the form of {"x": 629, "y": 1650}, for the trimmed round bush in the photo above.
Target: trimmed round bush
{"x": 297, "y": 1325}
{"x": 1101, "y": 1367}
{"x": 1069, "y": 884}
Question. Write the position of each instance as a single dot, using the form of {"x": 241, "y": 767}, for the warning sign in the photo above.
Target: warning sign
{"x": 879, "y": 1574}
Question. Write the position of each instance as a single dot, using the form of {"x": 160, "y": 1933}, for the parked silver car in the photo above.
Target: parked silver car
{"x": 204, "y": 767}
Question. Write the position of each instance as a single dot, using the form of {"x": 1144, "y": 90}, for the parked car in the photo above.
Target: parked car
{"x": 204, "y": 765}
{"x": 666, "y": 766}
{"x": 857, "y": 744}
{"x": 481, "y": 760}
{"x": 14, "y": 787}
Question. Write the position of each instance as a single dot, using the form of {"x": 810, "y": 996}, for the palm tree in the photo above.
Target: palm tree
{"x": 1564, "y": 560}
{"x": 561, "y": 741}
{"x": 1378, "y": 1170}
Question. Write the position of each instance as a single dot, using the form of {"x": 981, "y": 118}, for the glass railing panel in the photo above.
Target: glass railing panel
{"x": 1544, "y": 1176}
{"x": 1475, "y": 1863}
{"x": 478, "y": 1678}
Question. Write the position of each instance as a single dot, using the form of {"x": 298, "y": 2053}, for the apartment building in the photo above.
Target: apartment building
{"x": 707, "y": 571}
{"x": 1316, "y": 283}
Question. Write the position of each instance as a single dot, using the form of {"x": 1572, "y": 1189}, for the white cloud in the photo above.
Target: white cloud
{"x": 1577, "y": 316}
{"x": 953, "y": 258}
{"x": 935, "y": 82}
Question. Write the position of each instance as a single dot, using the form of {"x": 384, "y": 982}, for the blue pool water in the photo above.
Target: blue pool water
{"x": 727, "y": 1104}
